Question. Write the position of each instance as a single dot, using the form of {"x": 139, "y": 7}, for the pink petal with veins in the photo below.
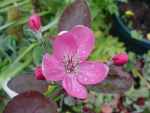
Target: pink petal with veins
{"x": 85, "y": 40}
{"x": 92, "y": 72}
{"x": 74, "y": 88}
{"x": 52, "y": 69}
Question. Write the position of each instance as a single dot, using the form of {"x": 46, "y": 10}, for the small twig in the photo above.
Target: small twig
{"x": 136, "y": 73}
{"x": 45, "y": 28}
{"x": 61, "y": 102}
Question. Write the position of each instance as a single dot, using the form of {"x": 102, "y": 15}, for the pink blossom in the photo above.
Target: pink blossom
{"x": 120, "y": 59}
{"x": 34, "y": 22}
{"x": 68, "y": 62}
{"x": 38, "y": 73}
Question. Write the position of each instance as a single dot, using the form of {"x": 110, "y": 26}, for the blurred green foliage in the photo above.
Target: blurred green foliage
{"x": 146, "y": 69}
{"x": 106, "y": 47}
{"x": 101, "y": 13}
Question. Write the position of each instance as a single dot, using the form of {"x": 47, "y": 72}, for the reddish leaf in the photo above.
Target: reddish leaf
{"x": 31, "y": 102}
{"x": 118, "y": 81}
{"x": 77, "y": 13}
{"x": 27, "y": 82}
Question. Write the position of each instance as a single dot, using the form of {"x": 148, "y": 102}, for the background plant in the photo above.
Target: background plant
{"x": 17, "y": 57}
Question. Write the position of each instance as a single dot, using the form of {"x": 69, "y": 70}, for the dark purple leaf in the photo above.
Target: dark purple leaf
{"x": 31, "y": 102}
{"x": 77, "y": 13}
{"x": 27, "y": 82}
{"x": 118, "y": 81}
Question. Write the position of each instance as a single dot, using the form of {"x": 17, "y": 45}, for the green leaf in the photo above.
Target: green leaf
{"x": 37, "y": 55}
{"x": 106, "y": 47}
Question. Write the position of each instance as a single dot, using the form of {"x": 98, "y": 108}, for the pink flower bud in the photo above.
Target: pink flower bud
{"x": 38, "y": 73}
{"x": 120, "y": 59}
{"x": 140, "y": 101}
{"x": 34, "y": 22}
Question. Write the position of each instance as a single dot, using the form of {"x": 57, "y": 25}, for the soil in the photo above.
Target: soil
{"x": 141, "y": 19}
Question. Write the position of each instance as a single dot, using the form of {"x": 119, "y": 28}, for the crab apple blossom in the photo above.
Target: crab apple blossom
{"x": 68, "y": 62}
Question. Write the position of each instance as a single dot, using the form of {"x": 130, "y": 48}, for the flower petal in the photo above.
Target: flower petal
{"x": 64, "y": 44}
{"x": 52, "y": 69}
{"x": 62, "y": 32}
{"x": 74, "y": 88}
{"x": 92, "y": 72}
{"x": 85, "y": 40}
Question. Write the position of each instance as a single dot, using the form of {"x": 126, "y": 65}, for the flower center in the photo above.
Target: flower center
{"x": 71, "y": 64}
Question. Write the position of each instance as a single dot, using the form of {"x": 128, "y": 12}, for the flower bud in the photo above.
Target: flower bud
{"x": 140, "y": 101}
{"x": 34, "y": 22}
{"x": 38, "y": 73}
{"x": 120, "y": 59}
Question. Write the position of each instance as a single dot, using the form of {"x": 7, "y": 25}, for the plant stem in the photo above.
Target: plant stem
{"x": 45, "y": 28}
{"x": 137, "y": 73}
{"x": 25, "y": 52}
{"x": 18, "y": 4}
{"x": 22, "y": 21}
{"x": 10, "y": 92}
{"x": 6, "y": 3}
{"x": 10, "y": 70}
{"x": 142, "y": 78}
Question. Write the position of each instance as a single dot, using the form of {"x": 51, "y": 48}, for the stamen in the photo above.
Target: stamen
{"x": 71, "y": 63}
